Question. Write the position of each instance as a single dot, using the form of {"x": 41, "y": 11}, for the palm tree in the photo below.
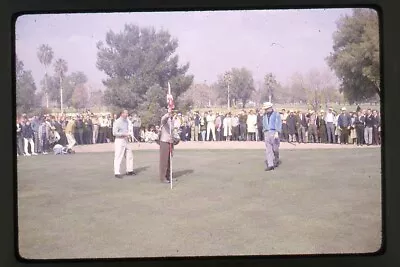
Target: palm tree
{"x": 45, "y": 55}
{"x": 61, "y": 67}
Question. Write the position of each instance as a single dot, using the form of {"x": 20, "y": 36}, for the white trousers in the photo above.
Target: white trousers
{"x": 26, "y": 142}
{"x": 71, "y": 140}
{"x": 211, "y": 129}
{"x": 121, "y": 150}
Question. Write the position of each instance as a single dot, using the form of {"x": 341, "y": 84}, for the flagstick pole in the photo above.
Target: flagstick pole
{"x": 170, "y": 144}
{"x": 170, "y": 156}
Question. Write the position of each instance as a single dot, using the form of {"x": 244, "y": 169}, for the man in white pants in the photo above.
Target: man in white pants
{"x": 210, "y": 125}
{"x": 121, "y": 133}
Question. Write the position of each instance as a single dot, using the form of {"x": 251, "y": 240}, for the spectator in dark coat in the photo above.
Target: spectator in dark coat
{"x": 291, "y": 121}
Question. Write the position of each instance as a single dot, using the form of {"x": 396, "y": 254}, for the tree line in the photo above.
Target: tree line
{"x": 139, "y": 62}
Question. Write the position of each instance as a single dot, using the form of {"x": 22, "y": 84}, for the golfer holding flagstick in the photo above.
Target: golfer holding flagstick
{"x": 166, "y": 141}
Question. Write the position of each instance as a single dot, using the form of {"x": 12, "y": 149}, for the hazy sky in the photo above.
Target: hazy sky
{"x": 212, "y": 42}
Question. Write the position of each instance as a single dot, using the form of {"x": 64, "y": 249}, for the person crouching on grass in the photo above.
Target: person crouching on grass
{"x": 121, "y": 133}
{"x": 272, "y": 127}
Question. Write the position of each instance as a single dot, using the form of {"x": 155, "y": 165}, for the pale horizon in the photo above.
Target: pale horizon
{"x": 279, "y": 41}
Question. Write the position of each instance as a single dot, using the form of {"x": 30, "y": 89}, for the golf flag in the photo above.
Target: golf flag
{"x": 170, "y": 99}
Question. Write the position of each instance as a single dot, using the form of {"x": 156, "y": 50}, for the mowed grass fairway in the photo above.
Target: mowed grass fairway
{"x": 224, "y": 203}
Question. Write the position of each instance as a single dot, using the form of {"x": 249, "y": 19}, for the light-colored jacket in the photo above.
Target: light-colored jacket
{"x": 252, "y": 123}
{"x": 227, "y": 126}
{"x": 235, "y": 121}
{"x": 210, "y": 120}
{"x": 166, "y": 127}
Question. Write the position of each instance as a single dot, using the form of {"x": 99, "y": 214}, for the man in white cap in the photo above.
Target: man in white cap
{"x": 272, "y": 127}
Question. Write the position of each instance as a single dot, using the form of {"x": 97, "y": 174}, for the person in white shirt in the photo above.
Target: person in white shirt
{"x": 251, "y": 126}
{"x": 338, "y": 131}
{"x": 330, "y": 127}
{"x": 227, "y": 122}
{"x": 210, "y": 125}
{"x": 121, "y": 133}
{"x": 235, "y": 128}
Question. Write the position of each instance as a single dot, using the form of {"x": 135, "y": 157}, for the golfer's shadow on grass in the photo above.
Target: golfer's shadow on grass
{"x": 141, "y": 169}
{"x": 181, "y": 173}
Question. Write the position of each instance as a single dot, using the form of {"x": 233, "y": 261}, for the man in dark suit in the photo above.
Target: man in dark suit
{"x": 302, "y": 124}
{"x": 344, "y": 123}
{"x": 260, "y": 125}
{"x": 359, "y": 124}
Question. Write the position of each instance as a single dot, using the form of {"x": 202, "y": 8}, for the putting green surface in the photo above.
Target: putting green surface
{"x": 224, "y": 203}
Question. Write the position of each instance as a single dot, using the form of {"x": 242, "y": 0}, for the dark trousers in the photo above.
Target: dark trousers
{"x": 260, "y": 134}
{"x": 252, "y": 137}
{"x": 20, "y": 145}
{"x": 80, "y": 136}
{"x": 165, "y": 160}
{"x": 87, "y": 136}
{"x": 375, "y": 135}
{"x": 136, "y": 132}
{"x": 235, "y": 133}
{"x": 285, "y": 132}
{"x": 218, "y": 134}
{"x": 36, "y": 141}
{"x": 330, "y": 130}
{"x": 243, "y": 132}
{"x": 344, "y": 137}
{"x": 322, "y": 134}
{"x": 183, "y": 133}
{"x": 102, "y": 135}
{"x": 360, "y": 135}
{"x": 44, "y": 144}
{"x": 312, "y": 134}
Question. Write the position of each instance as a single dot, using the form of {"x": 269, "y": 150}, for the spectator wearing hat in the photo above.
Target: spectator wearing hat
{"x": 330, "y": 126}
{"x": 272, "y": 127}
{"x": 344, "y": 124}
